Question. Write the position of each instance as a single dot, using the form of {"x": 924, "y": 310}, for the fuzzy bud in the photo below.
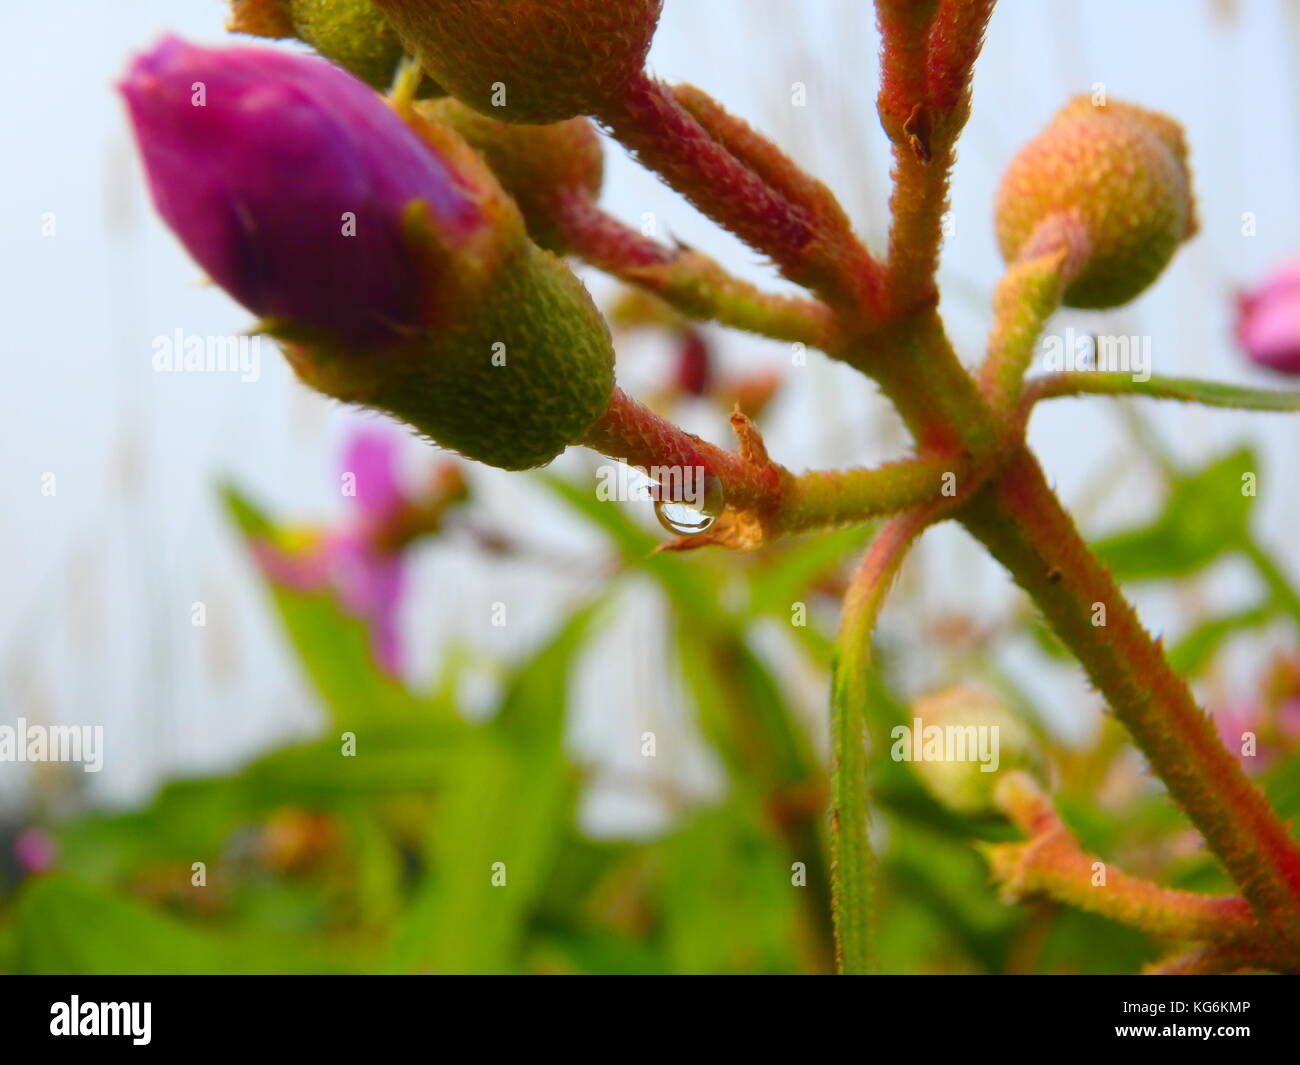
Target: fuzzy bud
{"x": 387, "y": 257}
{"x": 960, "y": 742}
{"x": 540, "y": 166}
{"x": 352, "y": 33}
{"x": 535, "y": 61}
{"x": 1118, "y": 171}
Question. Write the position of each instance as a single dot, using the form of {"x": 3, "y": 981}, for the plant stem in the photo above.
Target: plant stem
{"x": 692, "y": 283}
{"x": 668, "y": 139}
{"x": 1019, "y": 519}
{"x": 1050, "y": 862}
{"x": 823, "y": 499}
{"x": 632, "y": 433}
{"x": 852, "y": 892}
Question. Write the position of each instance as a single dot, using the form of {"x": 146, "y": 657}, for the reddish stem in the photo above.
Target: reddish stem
{"x": 1019, "y": 519}
{"x": 633, "y": 433}
{"x": 666, "y": 138}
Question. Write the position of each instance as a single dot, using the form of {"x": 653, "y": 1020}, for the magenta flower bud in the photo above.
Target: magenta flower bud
{"x": 287, "y": 179}
{"x": 378, "y": 246}
{"x": 1268, "y": 321}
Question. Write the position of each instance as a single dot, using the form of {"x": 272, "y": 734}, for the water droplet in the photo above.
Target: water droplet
{"x": 691, "y": 519}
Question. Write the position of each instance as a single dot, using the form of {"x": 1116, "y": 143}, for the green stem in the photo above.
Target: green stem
{"x": 1019, "y": 519}
{"x": 633, "y": 433}
{"x": 1051, "y": 863}
{"x": 852, "y": 893}
{"x": 822, "y": 499}
{"x": 692, "y": 283}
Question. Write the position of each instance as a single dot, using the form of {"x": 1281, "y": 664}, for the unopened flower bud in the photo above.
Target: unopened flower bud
{"x": 1118, "y": 171}
{"x": 529, "y": 60}
{"x": 960, "y": 741}
{"x": 392, "y": 263}
{"x": 352, "y": 33}
{"x": 1268, "y": 321}
{"x": 542, "y": 167}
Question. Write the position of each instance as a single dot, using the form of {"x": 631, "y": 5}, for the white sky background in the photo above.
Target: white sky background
{"x": 98, "y": 581}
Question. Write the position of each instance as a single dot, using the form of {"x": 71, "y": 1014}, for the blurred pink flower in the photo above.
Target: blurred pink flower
{"x": 1233, "y": 722}
{"x": 1288, "y": 719}
{"x": 1275, "y": 727}
{"x": 34, "y": 850}
{"x": 1268, "y": 321}
{"x": 360, "y": 561}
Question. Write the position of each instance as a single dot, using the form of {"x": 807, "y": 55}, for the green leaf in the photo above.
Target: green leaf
{"x": 66, "y": 927}
{"x": 686, "y": 581}
{"x": 729, "y": 900}
{"x": 504, "y": 812}
{"x": 193, "y": 818}
{"x": 1282, "y": 785}
{"x": 334, "y": 646}
{"x": 1191, "y": 655}
{"x": 970, "y": 927}
{"x": 1206, "y": 515}
{"x": 786, "y": 578}
{"x": 742, "y": 710}
{"x": 741, "y": 707}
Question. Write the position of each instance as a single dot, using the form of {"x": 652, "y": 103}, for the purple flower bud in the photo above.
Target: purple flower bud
{"x": 1268, "y": 321}
{"x": 287, "y": 179}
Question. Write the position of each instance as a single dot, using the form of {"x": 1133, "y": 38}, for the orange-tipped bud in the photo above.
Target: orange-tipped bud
{"x": 1121, "y": 173}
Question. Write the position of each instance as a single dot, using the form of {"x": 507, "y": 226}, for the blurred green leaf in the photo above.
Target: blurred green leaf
{"x": 65, "y": 927}
{"x": 970, "y": 928}
{"x": 195, "y": 817}
{"x": 1282, "y": 785}
{"x": 503, "y": 813}
{"x": 1193, "y": 654}
{"x": 687, "y": 582}
{"x": 1205, "y": 516}
{"x": 729, "y": 900}
{"x": 798, "y": 564}
{"x": 742, "y": 710}
{"x": 334, "y": 646}
{"x": 600, "y": 953}
{"x": 1079, "y": 942}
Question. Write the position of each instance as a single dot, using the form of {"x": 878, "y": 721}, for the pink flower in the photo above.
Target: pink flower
{"x": 1268, "y": 321}
{"x": 359, "y": 562}
{"x": 1288, "y": 720}
{"x": 1233, "y": 723}
{"x": 34, "y": 850}
{"x": 258, "y": 173}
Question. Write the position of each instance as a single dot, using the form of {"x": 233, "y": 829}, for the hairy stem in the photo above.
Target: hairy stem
{"x": 821, "y": 499}
{"x": 927, "y": 52}
{"x": 666, "y": 138}
{"x": 852, "y": 892}
{"x": 1019, "y": 519}
{"x": 632, "y": 433}
{"x": 692, "y": 283}
{"x": 1028, "y": 294}
{"x": 807, "y": 245}
{"x": 1051, "y": 863}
